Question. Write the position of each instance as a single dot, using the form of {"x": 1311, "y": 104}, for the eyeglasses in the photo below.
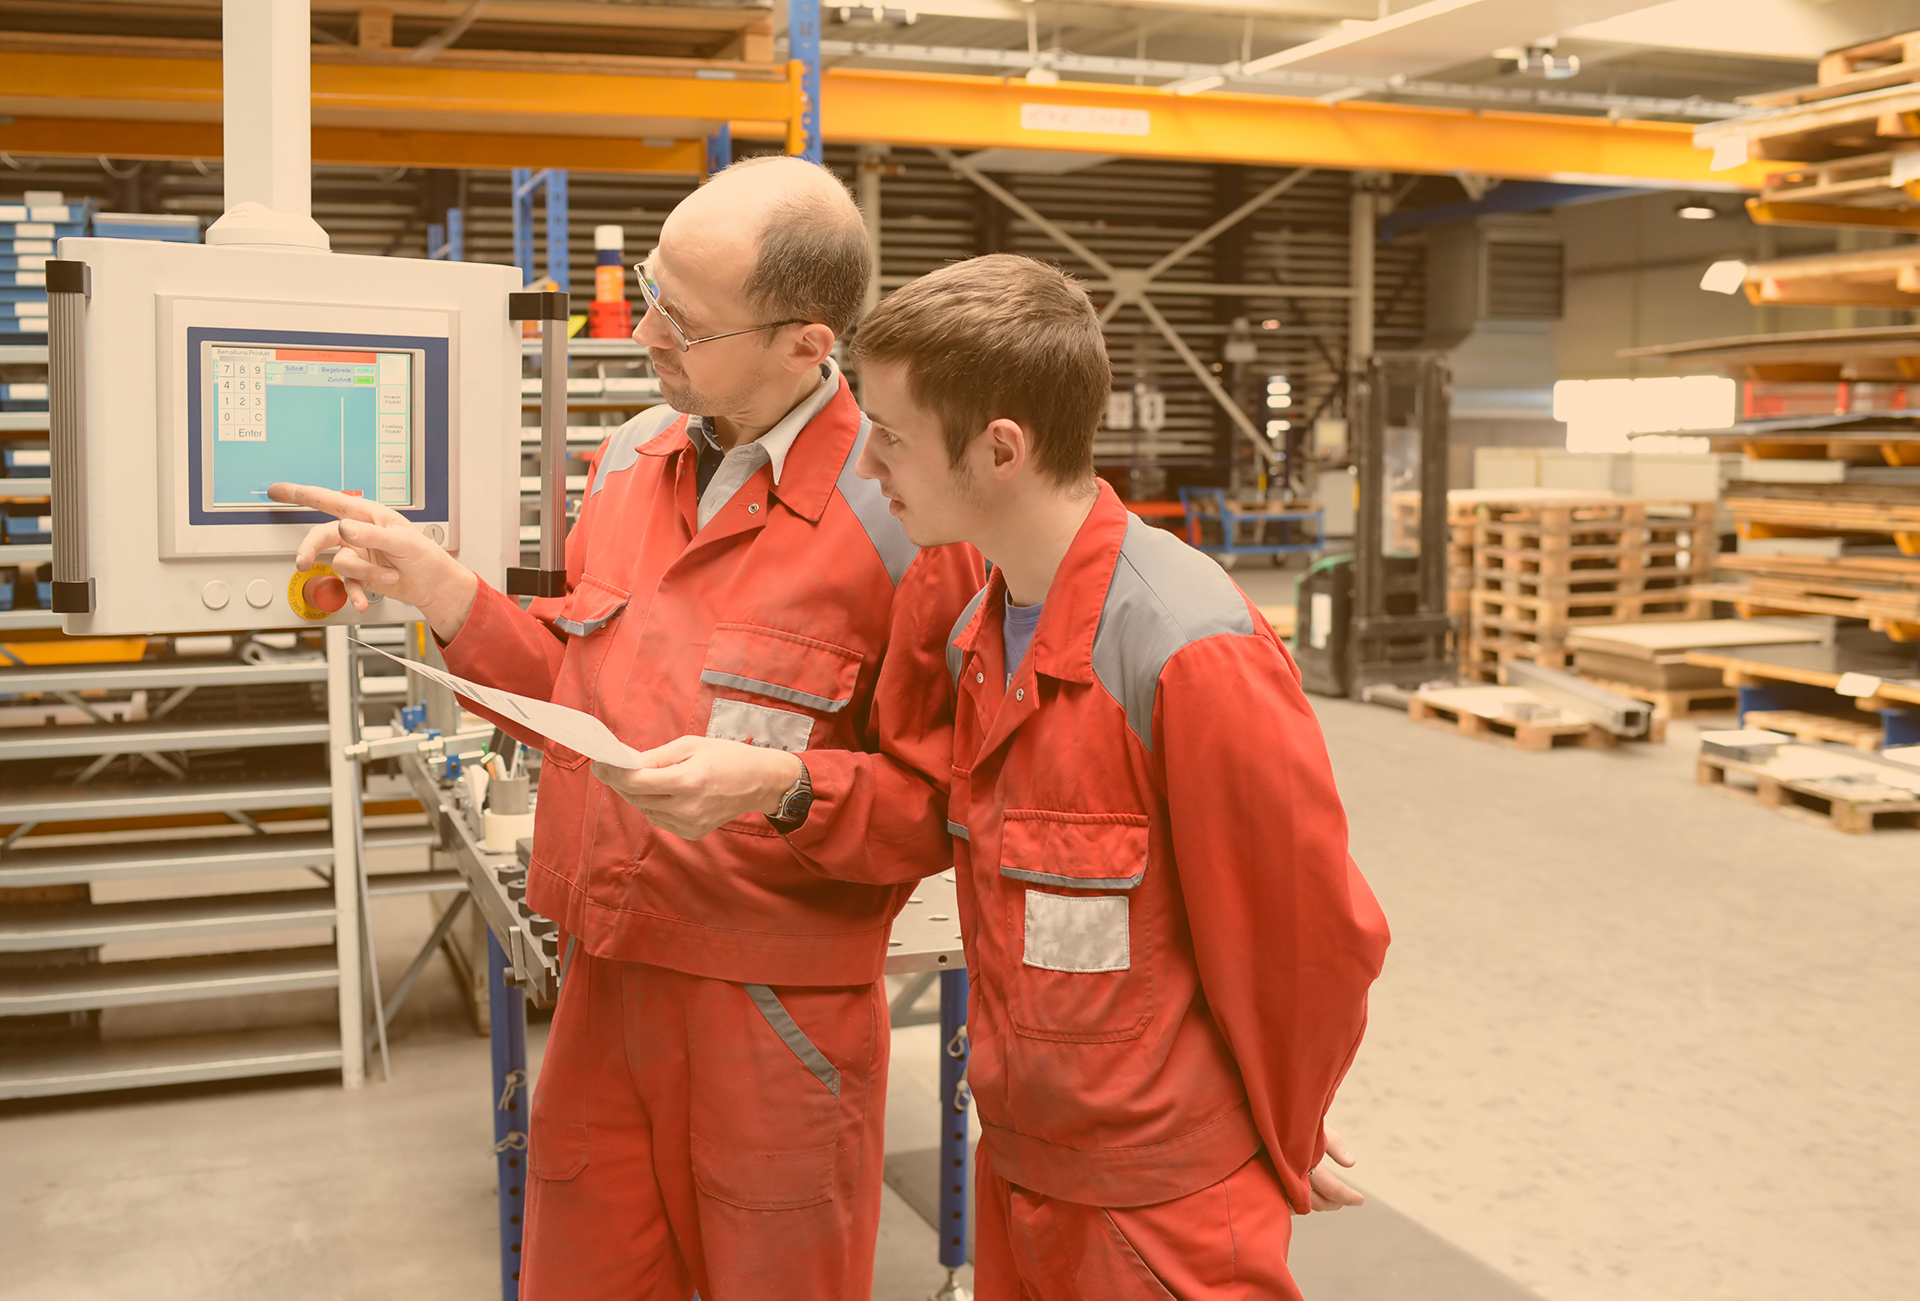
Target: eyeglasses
{"x": 651, "y": 292}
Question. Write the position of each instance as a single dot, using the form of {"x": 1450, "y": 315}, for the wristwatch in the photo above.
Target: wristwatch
{"x": 795, "y": 804}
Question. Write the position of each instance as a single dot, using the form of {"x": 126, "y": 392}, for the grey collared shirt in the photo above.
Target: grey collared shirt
{"x": 741, "y": 463}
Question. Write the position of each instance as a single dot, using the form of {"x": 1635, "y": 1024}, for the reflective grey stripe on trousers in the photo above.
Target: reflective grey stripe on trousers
{"x": 794, "y": 1037}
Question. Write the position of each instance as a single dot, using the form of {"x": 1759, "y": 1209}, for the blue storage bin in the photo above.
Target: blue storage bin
{"x": 63, "y": 211}
{"x": 26, "y": 530}
{"x": 10, "y": 261}
{"x": 40, "y": 229}
{"x": 28, "y": 462}
{"x": 6, "y": 591}
{"x": 23, "y": 397}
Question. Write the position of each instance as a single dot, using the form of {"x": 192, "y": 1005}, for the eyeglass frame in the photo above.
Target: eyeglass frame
{"x": 650, "y": 293}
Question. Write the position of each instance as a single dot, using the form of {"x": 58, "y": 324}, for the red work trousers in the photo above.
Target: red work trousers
{"x": 693, "y": 1133}
{"x": 1226, "y": 1242}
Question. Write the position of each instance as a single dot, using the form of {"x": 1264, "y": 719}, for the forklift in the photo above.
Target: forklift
{"x": 1379, "y": 617}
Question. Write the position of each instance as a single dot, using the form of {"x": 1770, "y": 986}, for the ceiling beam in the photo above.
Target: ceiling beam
{"x": 123, "y": 138}
{"x": 875, "y": 107}
{"x": 961, "y": 112}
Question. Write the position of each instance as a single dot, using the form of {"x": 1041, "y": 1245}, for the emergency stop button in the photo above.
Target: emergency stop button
{"x": 316, "y": 593}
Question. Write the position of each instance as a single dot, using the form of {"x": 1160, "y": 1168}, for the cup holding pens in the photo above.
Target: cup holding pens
{"x": 509, "y": 813}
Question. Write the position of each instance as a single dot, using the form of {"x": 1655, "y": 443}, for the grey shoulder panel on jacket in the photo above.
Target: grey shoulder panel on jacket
{"x": 624, "y": 448}
{"x": 1164, "y": 596}
{"x": 869, "y": 506}
{"x": 960, "y": 626}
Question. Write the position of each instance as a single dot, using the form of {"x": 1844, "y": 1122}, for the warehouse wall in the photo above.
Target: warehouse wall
{"x": 1633, "y": 280}
{"x": 1128, "y": 210}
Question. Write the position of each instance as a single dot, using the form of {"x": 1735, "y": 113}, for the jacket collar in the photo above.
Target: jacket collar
{"x": 778, "y": 441}
{"x": 811, "y": 455}
{"x": 1063, "y": 643}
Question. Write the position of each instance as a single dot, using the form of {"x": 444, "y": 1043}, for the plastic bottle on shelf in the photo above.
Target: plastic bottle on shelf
{"x": 609, "y": 316}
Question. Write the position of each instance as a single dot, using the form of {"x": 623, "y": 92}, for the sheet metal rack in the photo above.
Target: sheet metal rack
{"x": 72, "y": 893}
{"x": 24, "y": 363}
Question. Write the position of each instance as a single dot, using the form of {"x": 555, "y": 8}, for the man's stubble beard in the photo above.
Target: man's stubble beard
{"x": 683, "y": 397}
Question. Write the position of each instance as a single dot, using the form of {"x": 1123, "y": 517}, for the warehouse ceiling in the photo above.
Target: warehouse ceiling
{"x": 1588, "y": 56}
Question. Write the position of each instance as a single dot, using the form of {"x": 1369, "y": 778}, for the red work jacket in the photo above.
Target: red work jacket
{"x": 1169, "y": 945}
{"x": 799, "y": 617}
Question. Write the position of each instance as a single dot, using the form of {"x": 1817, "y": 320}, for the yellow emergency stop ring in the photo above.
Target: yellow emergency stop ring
{"x": 297, "y": 591}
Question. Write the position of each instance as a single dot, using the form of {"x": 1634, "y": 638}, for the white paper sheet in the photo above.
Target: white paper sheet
{"x": 570, "y": 727}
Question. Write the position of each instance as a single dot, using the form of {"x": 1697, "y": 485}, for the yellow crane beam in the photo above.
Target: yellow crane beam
{"x": 968, "y": 112}
{"x": 647, "y": 118}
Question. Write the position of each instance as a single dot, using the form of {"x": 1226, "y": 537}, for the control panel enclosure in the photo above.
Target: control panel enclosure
{"x": 212, "y": 372}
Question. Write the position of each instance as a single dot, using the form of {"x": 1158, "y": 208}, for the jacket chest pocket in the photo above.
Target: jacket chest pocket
{"x": 1080, "y": 925}
{"x": 569, "y": 795}
{"x": 774, "y": 688}
{"x": 590, "y": 617}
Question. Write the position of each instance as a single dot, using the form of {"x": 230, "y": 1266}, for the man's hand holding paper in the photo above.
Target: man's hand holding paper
{"x": 694, "y": 784}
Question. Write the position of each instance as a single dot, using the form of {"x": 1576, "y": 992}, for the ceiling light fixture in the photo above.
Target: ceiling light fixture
{"x": 1695, "y": 210}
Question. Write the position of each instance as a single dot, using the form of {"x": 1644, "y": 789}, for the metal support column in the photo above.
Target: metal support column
{"x": 558, "y": 266}
{"x": 448, "y": 243}
{"x": 1363, "y": 214}
{"x": 871, "y": 168}
{"x": 525, "y": 182}
{"x": 803, "y": 44}
{"x": 344, "y": 779}
{"x": 512, "y": 1106}
{"x": 955, "y": 1105}
{"x": 550, "y": 578}
{"x": 720, "y": 150}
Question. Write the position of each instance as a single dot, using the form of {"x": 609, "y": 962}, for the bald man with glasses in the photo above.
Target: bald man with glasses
{"x": 710, "y": 1106}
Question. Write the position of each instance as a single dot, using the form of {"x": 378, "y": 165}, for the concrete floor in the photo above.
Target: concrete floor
{"x": 1634, "y": 1040}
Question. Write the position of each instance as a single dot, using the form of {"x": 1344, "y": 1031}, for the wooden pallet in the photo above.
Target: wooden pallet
{"x": 1822, "y": 596}
{"x": 1818, "y": 727}
{"x": 1539, "y": 616}
{"x": 1563, "y": 516}
{"x": 1482, "y": 657}
{"x": 1883, "y": 54}
{"x": 1596, "y": 563}
{"x": 1676, "y": 703}
{"x": 1519, "y": 734}
{"x": 1825, "y": 516}
{"x": 1602, "y": 584}
{"x": 1855, "y": 810}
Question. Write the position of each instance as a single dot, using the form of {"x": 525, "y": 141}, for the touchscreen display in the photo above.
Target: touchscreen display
{"x": 338, "y": 419}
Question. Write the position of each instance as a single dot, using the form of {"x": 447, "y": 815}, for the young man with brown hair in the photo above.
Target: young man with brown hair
{"x": 1169, "y": 945}
{"x": 710, "y": 1105}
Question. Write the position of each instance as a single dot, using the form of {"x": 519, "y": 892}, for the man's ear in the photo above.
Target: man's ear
{"x": 1007, "y": 443}
{"x": 811, "y": 345}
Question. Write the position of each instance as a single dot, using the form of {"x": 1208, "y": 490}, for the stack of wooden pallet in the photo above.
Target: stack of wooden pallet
{"x": 1542, "y": 570}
